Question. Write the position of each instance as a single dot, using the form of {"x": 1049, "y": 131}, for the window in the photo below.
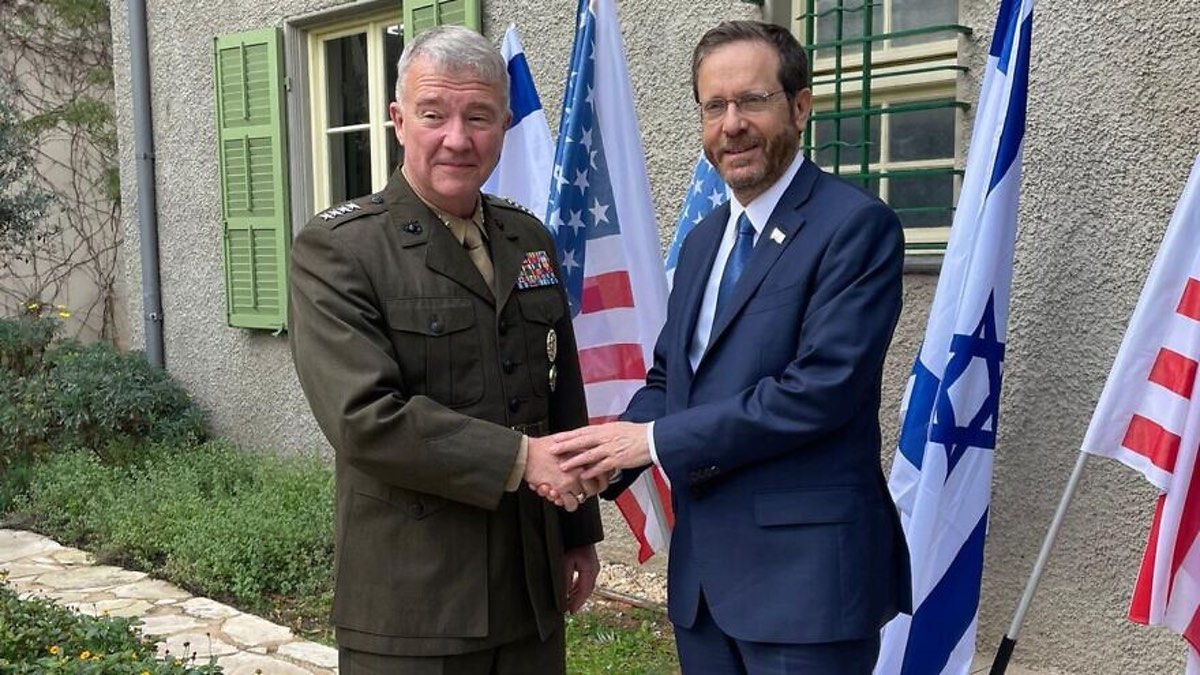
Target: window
{"x": 352, "y": 72}
{"x": 885, "y": 114}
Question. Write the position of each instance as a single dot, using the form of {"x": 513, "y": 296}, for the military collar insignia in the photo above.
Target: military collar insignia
{"x": 341, "y": 210}
{"x": 505, "y": 202}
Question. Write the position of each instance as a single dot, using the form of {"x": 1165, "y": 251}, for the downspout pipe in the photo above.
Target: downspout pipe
{"x": 777, "y": 12}
{"x": 147, "y": 199}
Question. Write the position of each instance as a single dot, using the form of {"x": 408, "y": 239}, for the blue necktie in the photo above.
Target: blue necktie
{"x": 738, "y": 258}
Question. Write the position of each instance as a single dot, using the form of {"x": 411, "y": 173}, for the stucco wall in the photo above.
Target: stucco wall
{"x": 1111, "y": 133}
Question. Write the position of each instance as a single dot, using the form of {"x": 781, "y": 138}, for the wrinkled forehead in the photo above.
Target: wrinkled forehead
{"x": 426, "y": 79}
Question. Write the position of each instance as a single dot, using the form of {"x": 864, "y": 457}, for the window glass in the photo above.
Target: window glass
{"x": 921, "y": 134}
{"x": 346, "y": 73}
{"x": 826, "y": 132}
{"x": 349, "y": 165}
{"x": 853, "y": 18}
{"x": 923, "y": 201}
{"x": 913, "y": 14}
{"x": 393, "y": 45}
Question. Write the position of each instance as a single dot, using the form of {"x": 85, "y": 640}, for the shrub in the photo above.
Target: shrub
{"x": 37, "y": 636}
{"x": 67, "y": 395}
{"x": 101, "y": 396}
{"x": 217, "y": 519}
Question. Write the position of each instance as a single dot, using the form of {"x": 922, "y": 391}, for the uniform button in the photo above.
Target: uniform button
{"x": 514, "y": 404}
{"x": 417, "y": 510}
{"x": 435, "y": 325}
{"x": 503, "y": 327}
{"x": 508, "y": 366}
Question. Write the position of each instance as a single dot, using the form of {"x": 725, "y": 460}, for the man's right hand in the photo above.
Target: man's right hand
{"x": 542, "y": 469}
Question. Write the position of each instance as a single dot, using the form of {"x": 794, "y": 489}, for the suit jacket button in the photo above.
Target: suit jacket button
{"x": 508, "y": 366}
{"x": 514, "y": 404}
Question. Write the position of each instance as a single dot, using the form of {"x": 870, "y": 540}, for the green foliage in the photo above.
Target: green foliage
{"x": 66, "y": 395}
{"x": 22, "y": 202}
{"x": 610, "y": 638}
{"x": 101, "y": 396}
{"x": 217, "y": 519}
{"x": 37, "y": 636}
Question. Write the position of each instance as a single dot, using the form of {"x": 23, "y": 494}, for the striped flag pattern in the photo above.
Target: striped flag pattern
{"x": 1148, "y": 417}
{"x": 603, "y": 221}
{"x": 706, "y": 192}
{"x": 523, "y": 173}
{"x": 942, "y": 472}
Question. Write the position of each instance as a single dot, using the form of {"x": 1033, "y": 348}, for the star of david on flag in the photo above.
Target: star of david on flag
{"x": 941, "y": 476}
{"x": 603, "y": 222}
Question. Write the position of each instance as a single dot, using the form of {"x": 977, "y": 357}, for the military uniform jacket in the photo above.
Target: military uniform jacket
{"x": 416, "y": 373}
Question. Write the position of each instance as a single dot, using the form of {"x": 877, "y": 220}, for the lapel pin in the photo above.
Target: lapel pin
{"x": 777, "y": 235}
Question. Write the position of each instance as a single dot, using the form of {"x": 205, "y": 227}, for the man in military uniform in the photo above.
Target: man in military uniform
{"x": 432, "y": 338}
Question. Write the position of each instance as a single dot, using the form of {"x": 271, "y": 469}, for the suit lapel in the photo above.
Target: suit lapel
{"x": 769, "y": 248}
{"x": 691, "y": 283}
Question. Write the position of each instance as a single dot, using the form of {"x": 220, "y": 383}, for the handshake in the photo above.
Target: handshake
{"x": 571, "y": 466}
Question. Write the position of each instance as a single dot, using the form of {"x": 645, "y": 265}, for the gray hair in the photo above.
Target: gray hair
{"x": 454, "y": 49}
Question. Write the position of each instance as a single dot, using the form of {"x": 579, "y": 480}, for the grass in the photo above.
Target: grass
{"x": 256, "y": 532}
{"x": 610, "y": 637}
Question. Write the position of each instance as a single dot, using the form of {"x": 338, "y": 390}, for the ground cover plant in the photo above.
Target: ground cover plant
{"x": 251, "y": 529}
{"x": 101, "y": 451}
{"x": 38, "y": 636}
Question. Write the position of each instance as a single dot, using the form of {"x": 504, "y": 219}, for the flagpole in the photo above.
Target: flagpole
{"x": 1009, "y": 643}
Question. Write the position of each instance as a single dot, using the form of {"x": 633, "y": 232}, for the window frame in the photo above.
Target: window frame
{"x": 378, "y": 124}
{"x": 939, "y": 71}
{"x": 299, "y": 64}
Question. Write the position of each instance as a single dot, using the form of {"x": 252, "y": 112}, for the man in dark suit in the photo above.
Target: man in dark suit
{"x": 433, "y": 341}
{"x": 763, "y": 400}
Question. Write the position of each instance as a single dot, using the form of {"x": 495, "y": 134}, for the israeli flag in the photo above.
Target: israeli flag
{"x": 527, "y": 159}
{"x": 941, "y": 477}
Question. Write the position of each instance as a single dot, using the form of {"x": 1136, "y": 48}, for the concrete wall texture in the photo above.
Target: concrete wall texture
{"x": 1111, "y": 136}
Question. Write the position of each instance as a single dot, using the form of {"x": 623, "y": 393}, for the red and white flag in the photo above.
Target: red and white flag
{"x": 603, "y": 223}
{"x": 1148, "y": 417}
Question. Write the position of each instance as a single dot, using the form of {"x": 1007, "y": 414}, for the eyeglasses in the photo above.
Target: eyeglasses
{"x": 752, "y": 103}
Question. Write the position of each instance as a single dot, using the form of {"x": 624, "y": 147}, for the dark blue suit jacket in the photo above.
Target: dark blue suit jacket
{"x": 772, "y": 446}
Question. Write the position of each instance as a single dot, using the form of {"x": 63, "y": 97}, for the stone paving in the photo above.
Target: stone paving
{"x": 243, "y": 644}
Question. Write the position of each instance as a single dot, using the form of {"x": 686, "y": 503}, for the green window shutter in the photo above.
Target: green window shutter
{"x": 421, "y": 15}
{"x": 252, "y": 151}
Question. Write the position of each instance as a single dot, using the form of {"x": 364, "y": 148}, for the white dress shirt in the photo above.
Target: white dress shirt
{"x": 759, "y": 211}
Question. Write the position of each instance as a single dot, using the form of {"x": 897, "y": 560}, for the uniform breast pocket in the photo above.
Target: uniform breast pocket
{"x": 542, "y": 309}
{"x": 439, "y": 344}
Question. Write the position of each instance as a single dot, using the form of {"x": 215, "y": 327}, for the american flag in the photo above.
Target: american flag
{"x": 601, "y": 214}
{"x": 705, "y": 193}
{"x": 1148, "y": 418}
{"x": 942, "y": 473}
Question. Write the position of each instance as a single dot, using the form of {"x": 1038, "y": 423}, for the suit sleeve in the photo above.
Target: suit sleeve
{"x": 843, "y": 340}
{"x": 351, "y": 377}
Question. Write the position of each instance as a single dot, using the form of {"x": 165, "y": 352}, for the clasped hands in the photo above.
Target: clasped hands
{"x": 571, "y": 466}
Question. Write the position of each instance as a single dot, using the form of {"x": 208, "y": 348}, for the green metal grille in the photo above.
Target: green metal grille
{"x": 848, "y": 38}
